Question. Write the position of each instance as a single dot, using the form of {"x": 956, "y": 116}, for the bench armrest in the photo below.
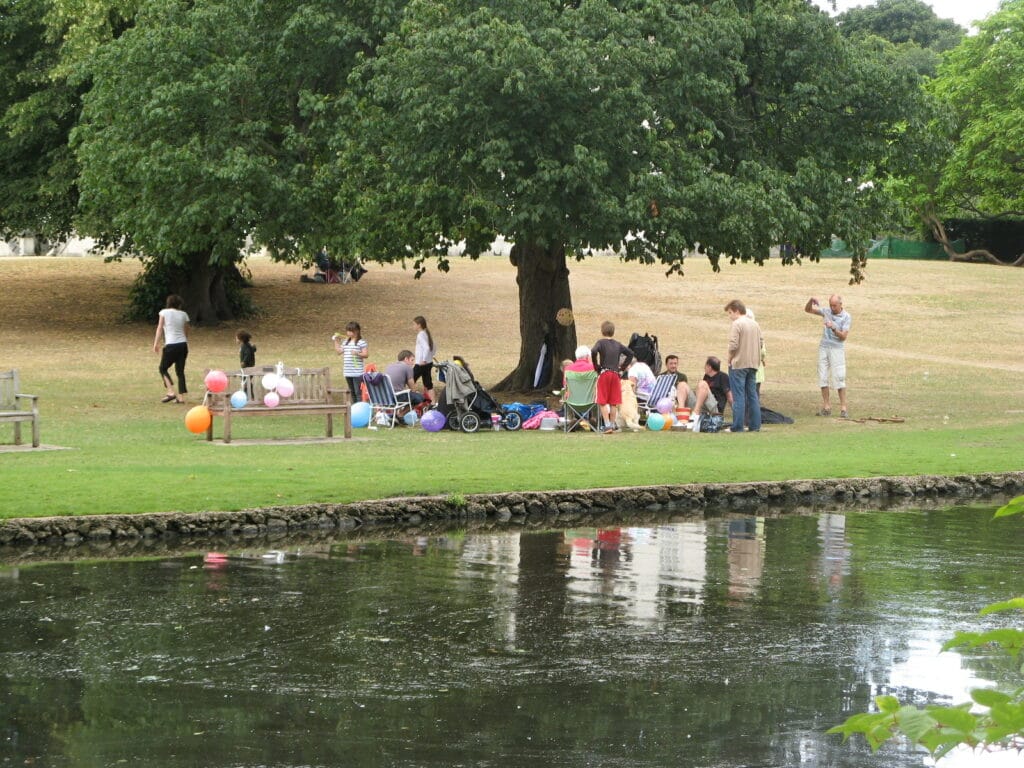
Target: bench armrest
{"x": 346, "y": 396}
{"x": 33, "y": 398}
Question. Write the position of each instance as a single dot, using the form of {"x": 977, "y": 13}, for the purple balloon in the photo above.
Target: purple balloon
{"x": 433, "y": 421}
{"x": 663, "y": 406}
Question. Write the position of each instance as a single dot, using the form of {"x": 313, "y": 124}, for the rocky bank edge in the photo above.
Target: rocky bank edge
{"x": 549, "y": 507}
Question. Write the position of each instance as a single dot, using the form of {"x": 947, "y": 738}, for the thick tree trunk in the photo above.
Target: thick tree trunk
{"x": 543, "y": 279}
{"x": 202, "y": 287}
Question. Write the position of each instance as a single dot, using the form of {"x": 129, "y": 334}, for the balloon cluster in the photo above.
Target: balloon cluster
{"x": 276, "y": 386}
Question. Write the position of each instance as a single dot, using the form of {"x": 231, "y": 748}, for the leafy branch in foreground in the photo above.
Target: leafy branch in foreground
{"x": 992, "y": 720}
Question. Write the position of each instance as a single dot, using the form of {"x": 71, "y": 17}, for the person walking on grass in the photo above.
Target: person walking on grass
{"x": 246, "y": 349}
{"x": 173, "y": 325}
{"x": 744, "y": 359}
{"x": 353, "y": 350}
{"x": 832, "y": 351}
{"x": 424, "y": 356}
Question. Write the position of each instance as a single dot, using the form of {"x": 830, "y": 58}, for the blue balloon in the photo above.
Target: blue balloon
{"x": 239, "y": 399}
{"x": 433, "y": 421}
{"x": 410, "y": 418}
{"x": 655, "y": 422}
{"x": 361, "y": 415}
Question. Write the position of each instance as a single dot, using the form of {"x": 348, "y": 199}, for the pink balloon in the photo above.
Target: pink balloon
{"x": 285, "y": 388}
{"x": 271, "y": 400}
{"x": 216, "y": 381}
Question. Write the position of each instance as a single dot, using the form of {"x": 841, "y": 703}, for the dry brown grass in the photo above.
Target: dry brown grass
{"x": 928, "y": 339}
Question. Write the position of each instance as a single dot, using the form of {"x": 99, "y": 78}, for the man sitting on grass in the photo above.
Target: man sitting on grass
{"x": 713, "y": 391}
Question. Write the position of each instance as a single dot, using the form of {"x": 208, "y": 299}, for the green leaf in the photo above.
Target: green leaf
{"x": 989, "y": 697}
{"x": 1014, "y": 507}
{"x": 957, "y": 718}
{"x": 915, "y": 723}
{"x": 888, "y": 704}
{"x": 1016, "y": 603}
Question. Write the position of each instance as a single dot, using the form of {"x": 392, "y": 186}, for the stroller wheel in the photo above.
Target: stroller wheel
{"x": 470, "y": 422}
{"x": 454, "y": 422}
{"x": 513, "y": 421}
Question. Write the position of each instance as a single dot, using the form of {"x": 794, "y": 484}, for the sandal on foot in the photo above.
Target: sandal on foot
{"x": 824, "y": 412}
{"x": 844, "y": 415}
{"x": 167, "y": 398}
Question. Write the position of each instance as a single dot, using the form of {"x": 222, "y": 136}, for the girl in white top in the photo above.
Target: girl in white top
{"x": 174, "y": 326}
{"x": 425, "y": 352}
{"x": 354, "y": 351}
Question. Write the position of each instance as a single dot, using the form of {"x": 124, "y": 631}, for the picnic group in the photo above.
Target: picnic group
{"x": 626, "y": 380}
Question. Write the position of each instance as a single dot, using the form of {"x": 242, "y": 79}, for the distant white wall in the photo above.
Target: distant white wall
{"x": 32, "y": 246}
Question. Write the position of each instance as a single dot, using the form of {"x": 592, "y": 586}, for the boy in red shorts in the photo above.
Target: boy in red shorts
{"x": 609, "y": 358}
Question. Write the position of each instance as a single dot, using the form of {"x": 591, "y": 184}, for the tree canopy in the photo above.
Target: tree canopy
{"x": 396, "y": 129}
{"x": 903, "y": 21}
{"x": 656, "y": 129}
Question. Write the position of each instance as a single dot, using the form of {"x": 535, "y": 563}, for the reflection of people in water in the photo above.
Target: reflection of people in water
{"x": 607, "y": 546}
{"x": 835, "y": 553}
{"x": 746, "y": 549}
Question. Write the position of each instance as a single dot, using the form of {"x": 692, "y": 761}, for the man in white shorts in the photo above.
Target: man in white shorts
{"x": 832, "y": 351}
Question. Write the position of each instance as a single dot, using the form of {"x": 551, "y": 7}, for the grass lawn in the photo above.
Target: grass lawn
{"x": 938, "y": 344}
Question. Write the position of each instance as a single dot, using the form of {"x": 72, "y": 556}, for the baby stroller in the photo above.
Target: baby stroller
{"x": 466, "y": 404}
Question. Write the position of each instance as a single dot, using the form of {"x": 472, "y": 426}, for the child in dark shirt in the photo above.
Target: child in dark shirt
{"x": 610, "y": 357}
{"x": 246, "y": 349}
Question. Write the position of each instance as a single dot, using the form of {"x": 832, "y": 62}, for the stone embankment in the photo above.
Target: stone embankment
{"x": 122, "y": 534}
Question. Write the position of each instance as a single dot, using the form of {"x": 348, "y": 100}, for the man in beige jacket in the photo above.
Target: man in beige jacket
{"x": 744, "y": 359}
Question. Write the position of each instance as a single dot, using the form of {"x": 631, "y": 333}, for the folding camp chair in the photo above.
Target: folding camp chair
{"x": 664, "y": 386}
{"x": 581, "y": 400}
{"x": 386, "y": 404}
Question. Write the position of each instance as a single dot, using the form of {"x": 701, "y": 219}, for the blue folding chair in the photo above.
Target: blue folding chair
{"x": 385, "y": 403}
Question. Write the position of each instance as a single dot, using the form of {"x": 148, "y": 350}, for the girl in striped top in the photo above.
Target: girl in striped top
{"x": 353, "y": 350}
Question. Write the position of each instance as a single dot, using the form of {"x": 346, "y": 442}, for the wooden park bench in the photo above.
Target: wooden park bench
{"x": 16, "y": 406}
{"x": 313, "y": 396}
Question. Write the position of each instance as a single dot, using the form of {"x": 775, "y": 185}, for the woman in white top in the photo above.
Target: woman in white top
{"x": 425, "y": 352}
{"x": 174, "y": 326}
{"x": 353, "y": 350}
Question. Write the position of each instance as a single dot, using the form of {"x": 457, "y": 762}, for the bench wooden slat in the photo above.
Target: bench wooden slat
{"x": 17, "y": 407}
{"x": 313, "y": 396}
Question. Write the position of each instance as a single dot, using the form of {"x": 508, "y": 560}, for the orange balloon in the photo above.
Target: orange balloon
{"x": 198, "y": 419}
{"x": 669, "y": 422}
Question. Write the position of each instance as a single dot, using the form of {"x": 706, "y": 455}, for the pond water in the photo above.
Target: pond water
{"x": 732, "y": 641}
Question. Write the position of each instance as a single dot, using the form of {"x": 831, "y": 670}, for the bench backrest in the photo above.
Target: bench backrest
{"x": 9, "y": 387}
{"x": 312, "y": 385}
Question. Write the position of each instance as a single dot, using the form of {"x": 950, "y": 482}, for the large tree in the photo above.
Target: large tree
{"x": 918, "y": 35}
{"x": 972, "y": 161}
{"x": 655, "y": 128}
{"x": 208, "y": 125}
{"x": 38, "y": 173}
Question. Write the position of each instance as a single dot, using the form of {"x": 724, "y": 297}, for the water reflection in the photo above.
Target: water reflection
{"x": 720, "y": 642}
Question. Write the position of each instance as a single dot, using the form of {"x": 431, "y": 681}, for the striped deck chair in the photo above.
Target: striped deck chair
{"x": 386, "y": 404}
{"x": 664, "y": 386}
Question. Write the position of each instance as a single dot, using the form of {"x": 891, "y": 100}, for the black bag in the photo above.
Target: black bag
{"x": 711, "y": 423}
{"x": 645, "y": 349}
{"x": 768, "y": 416}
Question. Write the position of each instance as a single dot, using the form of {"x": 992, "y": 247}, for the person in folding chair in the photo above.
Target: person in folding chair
{"x": 385, "y": 403}
{"x": 664, "y": 387}
{"x": 580, "y": 399}
{"x": 401, "y": 374}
